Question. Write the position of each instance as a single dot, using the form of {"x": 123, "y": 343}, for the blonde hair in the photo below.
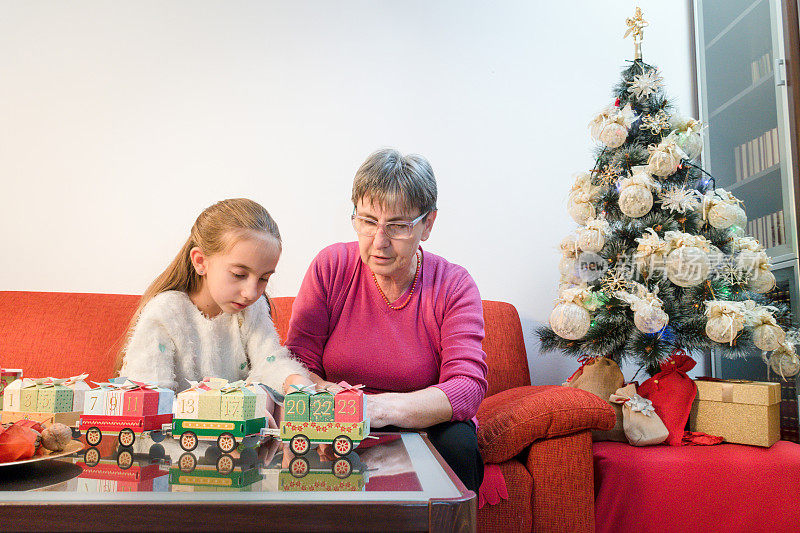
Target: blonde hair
{"x": 217, "y": 228}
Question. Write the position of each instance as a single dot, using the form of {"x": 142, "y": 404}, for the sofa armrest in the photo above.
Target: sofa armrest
{"x": 509, "y": 421}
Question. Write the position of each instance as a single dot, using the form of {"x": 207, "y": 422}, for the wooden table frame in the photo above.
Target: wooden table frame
{"x": 454, "y": 514}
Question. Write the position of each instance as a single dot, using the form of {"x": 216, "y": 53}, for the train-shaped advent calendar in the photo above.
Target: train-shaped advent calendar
{"x": 317, "y": 416}
{"x": 212, "y": 409}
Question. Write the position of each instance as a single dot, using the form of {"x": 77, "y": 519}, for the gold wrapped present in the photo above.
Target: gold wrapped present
{"x": 743, "y": 412}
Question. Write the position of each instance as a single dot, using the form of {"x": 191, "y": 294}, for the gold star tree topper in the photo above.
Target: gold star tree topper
{"x": 636, "y": 26}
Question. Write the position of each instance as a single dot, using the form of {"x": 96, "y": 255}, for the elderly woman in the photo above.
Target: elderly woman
{"x": 405, "y": 323}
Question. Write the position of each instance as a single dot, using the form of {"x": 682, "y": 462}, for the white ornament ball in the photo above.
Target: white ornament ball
{"x": 747, "y": 261}
{"x": 613, "y": 135}
{"x": 691, "y": 143}
{"x": 651, "y": 320}
{"x": 663, "y": 163}
{"x": 762, "y": 281}
{"x": 635, "y": 201}
{"x": 723, "y": 216}
{"x": 741, "y": 218}
{"x": 591, "y": 240}
{"x": 687, "y": 266}
{"x": 568, "y": 268}
{"x": 580, "y": 212}
{"x": 570, "y": 321}
{"x": 569, "y": 245}
{"x": 785, "y": 364}
{"x": 721, "y": 329}
{"x": 768, "y": 337}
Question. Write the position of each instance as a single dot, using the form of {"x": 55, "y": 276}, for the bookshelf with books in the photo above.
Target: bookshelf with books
{"x": 747, "y": 53}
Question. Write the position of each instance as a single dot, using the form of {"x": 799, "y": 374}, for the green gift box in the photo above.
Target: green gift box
{"x": 210, "y": 405}
{"x": 297, "y": 404}
{"x": 237, "y": 404}
{"x": 53, "y": 399}
{"x": 322, "y": 407}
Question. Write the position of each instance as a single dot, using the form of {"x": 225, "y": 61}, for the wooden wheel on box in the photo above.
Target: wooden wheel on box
{"x": 91, "y": 457}
{"x": 342, "y": 445}
{"x": 188, "y": 440}
{"x": 225, "y": 464}
{"x": 342, "y": 467}
{"x": 126, "y": 437}
{"x": 226, "y": 442}
{"x": 299, "y": 444}
{"x": 125, "y": 459}
{"x": 93, "y": 436}
{"x": 187, "y": 462}
{"x": 298, "y": 467}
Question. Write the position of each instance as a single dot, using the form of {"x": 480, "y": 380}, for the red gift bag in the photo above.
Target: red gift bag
{"x": 672, "y": 393}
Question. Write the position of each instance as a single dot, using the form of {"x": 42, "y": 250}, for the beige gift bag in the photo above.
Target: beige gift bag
{"x": 642, "y": 425}
{"x": 601, "y": 376}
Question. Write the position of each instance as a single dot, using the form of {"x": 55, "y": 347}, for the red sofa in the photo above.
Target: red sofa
{"x": 539, "y": 436}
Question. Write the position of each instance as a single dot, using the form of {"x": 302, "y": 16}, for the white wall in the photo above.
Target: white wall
{"x": 121, "y": 121}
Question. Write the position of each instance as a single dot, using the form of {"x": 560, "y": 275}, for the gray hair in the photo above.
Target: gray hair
{"x": 392, "y": 179}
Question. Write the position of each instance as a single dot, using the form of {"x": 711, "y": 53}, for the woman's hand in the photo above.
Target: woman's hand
{"x": 419, "y": 409}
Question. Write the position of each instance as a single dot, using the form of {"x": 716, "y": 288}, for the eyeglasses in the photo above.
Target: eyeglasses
{"x": 368, "y": 227}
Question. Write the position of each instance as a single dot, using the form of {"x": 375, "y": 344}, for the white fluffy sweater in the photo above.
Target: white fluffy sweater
{"x": 173, "y": 342}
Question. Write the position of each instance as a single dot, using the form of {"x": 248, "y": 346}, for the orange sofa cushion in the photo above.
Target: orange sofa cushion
{"x": 510, "y": 420}
{"x": 63, "y": 334}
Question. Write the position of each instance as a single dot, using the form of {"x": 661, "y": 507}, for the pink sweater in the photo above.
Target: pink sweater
{"x": 343, "y": 330}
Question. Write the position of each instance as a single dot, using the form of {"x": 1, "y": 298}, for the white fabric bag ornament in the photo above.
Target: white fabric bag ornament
{"x": 664, "y": 158}
{"x": 636, "y": 192}
{"x": 784, "y": 361}
{"x": 722, "y": 209}
{"x": 648, "y": 312}
{"x": 611, "y": 125}
{"x": 651, "y": 252}
{"x": 583, "y": 193}
{"x": 592, "y": 237}
{"x": 763, "y": 280}
{"x": 767, "y": 334}
{"x": 641, "y": 423}
{"x": 686, "y": 134}
{"x": 568, "y": 265}
{"x": 726, "y": 319}
{"x": 747, "y": 251}
{"x": 687, "y": 262}
{"x": 571, "y": 319}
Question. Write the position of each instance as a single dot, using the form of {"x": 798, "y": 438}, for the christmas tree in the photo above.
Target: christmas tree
{"x": 660, "y": 260}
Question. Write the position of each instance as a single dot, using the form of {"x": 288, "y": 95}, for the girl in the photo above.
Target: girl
{"x": 207, "y": 313}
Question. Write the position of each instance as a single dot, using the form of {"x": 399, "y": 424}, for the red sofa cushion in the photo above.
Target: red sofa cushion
{"x": 664, "y": 488}
{"x": 510, "y": 420}
{"x": 62, "y": 334}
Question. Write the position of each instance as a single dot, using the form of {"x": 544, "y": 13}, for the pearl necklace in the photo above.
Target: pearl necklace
{"x": 413, "y": 286}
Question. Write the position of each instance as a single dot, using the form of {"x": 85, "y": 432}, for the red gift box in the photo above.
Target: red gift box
{"x": 141, "y": 401}
{"x": 349, "y": 403}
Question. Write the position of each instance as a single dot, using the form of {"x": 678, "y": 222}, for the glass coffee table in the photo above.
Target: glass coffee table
{"x": 396, "y": 482}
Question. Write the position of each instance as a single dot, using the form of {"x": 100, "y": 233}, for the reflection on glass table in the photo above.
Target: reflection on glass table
{"x": 379, "y": 469}
{"x": 122, "y": 471}
{"x": 215, "y": 471}
{"x": 316, "y": 472}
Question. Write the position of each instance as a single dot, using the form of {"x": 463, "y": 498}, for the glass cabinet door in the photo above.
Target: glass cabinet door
{"x": 753, "y": 366}
{"x": 743, "y": 101}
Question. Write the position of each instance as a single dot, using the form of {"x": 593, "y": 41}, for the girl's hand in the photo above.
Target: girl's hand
{"x": 331, "y": 387}
{"x": 294, "y": 379}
